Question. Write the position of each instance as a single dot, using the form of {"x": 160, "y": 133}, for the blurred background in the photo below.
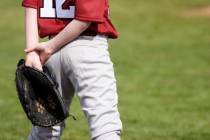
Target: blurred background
{"x": 162, "y": 65}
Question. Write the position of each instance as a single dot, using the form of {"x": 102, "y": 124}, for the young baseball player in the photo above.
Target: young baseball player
{"x": 77, "y": 56}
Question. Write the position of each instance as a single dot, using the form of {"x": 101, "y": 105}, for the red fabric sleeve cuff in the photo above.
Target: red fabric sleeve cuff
{"x": 90, "y": 10}
{"x": 30, "y": 4}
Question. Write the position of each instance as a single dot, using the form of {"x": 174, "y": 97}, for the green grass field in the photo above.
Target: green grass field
{"x": 162, "y": 64}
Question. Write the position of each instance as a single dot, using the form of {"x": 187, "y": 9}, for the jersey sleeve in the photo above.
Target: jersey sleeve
{"x": 90, "y": 10}
{"x": 30, "y": 3}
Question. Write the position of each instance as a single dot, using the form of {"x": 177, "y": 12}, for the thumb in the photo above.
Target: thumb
{"x": 31, "y": 49}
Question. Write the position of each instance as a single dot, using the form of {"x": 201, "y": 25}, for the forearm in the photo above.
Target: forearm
{"x": 69, "y": 33}
{"x": 31, "y": 27}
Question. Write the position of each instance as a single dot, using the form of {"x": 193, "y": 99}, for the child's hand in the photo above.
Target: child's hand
{"x": 43, "y": 50}
{"x": 33, "y": 60}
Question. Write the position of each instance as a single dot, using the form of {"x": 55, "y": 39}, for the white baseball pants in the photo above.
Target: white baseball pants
{"x": 83, "y": 67}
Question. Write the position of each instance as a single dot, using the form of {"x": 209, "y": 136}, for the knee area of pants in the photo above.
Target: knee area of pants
{"x": 109, "y": 136}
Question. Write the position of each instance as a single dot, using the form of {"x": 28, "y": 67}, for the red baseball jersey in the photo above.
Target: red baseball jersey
{"x": 54, "y": 15}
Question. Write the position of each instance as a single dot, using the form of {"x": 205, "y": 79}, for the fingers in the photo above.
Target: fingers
{"x": 29, "y": 59}
{"x": 38, "y": 47}
{"x": 31, "y": 49}
{"x": 37, "y": 65}
{"x": 43, "y": 58}
{"x": 28, "y": 63}
{"x": 43, "y": 53}
{"x": 33, "y": 60}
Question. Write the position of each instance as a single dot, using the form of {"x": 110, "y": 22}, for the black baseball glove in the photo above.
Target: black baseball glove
{"x": 39, "y": 96}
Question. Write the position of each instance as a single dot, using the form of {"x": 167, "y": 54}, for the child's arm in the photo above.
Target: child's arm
{"x": 69, "y": 33}
{"x": 31, "y": 28}
{"x": 32, "y": 38}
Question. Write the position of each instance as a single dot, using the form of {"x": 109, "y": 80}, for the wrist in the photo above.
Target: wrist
{"x": 52, "y": 47}
{"x": 31, "y": 45}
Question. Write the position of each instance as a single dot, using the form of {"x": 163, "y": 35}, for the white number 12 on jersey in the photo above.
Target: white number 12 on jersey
{"x": 48, "y": 11}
